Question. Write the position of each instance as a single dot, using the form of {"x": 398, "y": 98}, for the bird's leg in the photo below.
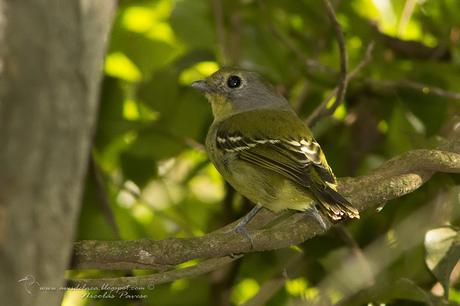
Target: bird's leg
{"x": 313, "y": 212}
{"x": 241, "y": 226}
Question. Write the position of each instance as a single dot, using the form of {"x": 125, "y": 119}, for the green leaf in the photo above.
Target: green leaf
{"x": 146, "y": 53}
{"x": 161, "y": 93}
{"x": 192, "y": 23}
{"x": 157, "y": 142}
{"x": 442, "y": 253}
{"x": 195, "y": 56}
{"x": 401, "y": 133}
{"x": 137, "y": 168}
{"x": 92, "y": 222}
{"x": 111, "y": 123}
{"x": 192, "y": 116}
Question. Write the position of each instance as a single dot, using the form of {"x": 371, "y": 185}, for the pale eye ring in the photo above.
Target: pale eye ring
{"x": 234, "y": 81}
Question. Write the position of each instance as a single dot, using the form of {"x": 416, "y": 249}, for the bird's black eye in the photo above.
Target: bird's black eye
{"x": 233, "y": 81}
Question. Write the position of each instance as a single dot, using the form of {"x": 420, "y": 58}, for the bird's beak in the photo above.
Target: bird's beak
{"x": 202, "y": 86}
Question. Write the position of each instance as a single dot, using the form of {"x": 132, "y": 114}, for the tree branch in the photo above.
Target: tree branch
{"x": 397, "y": 177}
{"x": 158, "y": 278}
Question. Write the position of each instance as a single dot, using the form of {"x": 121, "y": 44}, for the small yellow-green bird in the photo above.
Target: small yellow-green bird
{"x": 264, "y": 150}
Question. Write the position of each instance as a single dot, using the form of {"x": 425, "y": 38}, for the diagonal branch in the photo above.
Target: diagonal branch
{"x": 104, "y": 201}
{"x": 155, "y": 279}
{"x": 322, "y": 108}
{"x": 397, "y": 177}
{"x": 341, "y": 89}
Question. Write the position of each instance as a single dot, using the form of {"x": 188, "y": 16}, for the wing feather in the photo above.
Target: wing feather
{"x": 299, "y": 160}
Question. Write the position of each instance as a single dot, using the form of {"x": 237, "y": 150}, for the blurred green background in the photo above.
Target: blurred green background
{"x": 150, "y": 168}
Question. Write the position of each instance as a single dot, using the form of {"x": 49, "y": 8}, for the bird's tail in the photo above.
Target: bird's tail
{"x": 334, "y": 204}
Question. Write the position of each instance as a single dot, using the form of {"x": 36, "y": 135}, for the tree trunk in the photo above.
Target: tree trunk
{"x": 51, "y": 54}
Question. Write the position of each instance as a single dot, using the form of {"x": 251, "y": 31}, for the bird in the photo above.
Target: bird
{"x": 265, "y": 151}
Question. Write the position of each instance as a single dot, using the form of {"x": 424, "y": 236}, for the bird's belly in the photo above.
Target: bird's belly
{"x": 254, "y": 185}
{"x": 289, "y": 197}
{"x": 268, "y": 188}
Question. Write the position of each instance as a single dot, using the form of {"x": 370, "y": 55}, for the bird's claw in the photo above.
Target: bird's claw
{"x": 242, "y": 230}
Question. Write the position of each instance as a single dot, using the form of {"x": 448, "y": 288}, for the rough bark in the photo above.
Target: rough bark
{"x": 51, "y": 54}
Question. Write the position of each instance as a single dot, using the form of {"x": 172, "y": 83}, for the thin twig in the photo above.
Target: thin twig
{"x": 104, "y": 201}
{"x": 192, "y": 143}
{"x": 310, "y": 64}
{"x": 320, "y": 109}
{"x": 364, "y": 62}
{"x": 343, "y": 80}
{"x": 234, "y": 40}
{"x": 275, "y": 30}
{"x": 218, "y": 13}
{"x": 317, "y": 113}
{"x": 423, "y": 88}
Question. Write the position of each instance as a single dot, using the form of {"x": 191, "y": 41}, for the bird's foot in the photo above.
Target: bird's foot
{"x": 241, "y": 229}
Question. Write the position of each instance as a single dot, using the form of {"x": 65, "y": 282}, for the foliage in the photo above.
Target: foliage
{"x": 159, "y": 183}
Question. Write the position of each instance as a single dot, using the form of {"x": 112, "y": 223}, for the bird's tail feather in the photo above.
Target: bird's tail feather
{"x": 334, "y": 204}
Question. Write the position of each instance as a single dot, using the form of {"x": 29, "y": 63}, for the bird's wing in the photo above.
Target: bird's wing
{"x": 279, "y": 141}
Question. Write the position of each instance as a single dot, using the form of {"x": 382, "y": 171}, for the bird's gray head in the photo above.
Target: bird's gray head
{"x": 232, "y": 91}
